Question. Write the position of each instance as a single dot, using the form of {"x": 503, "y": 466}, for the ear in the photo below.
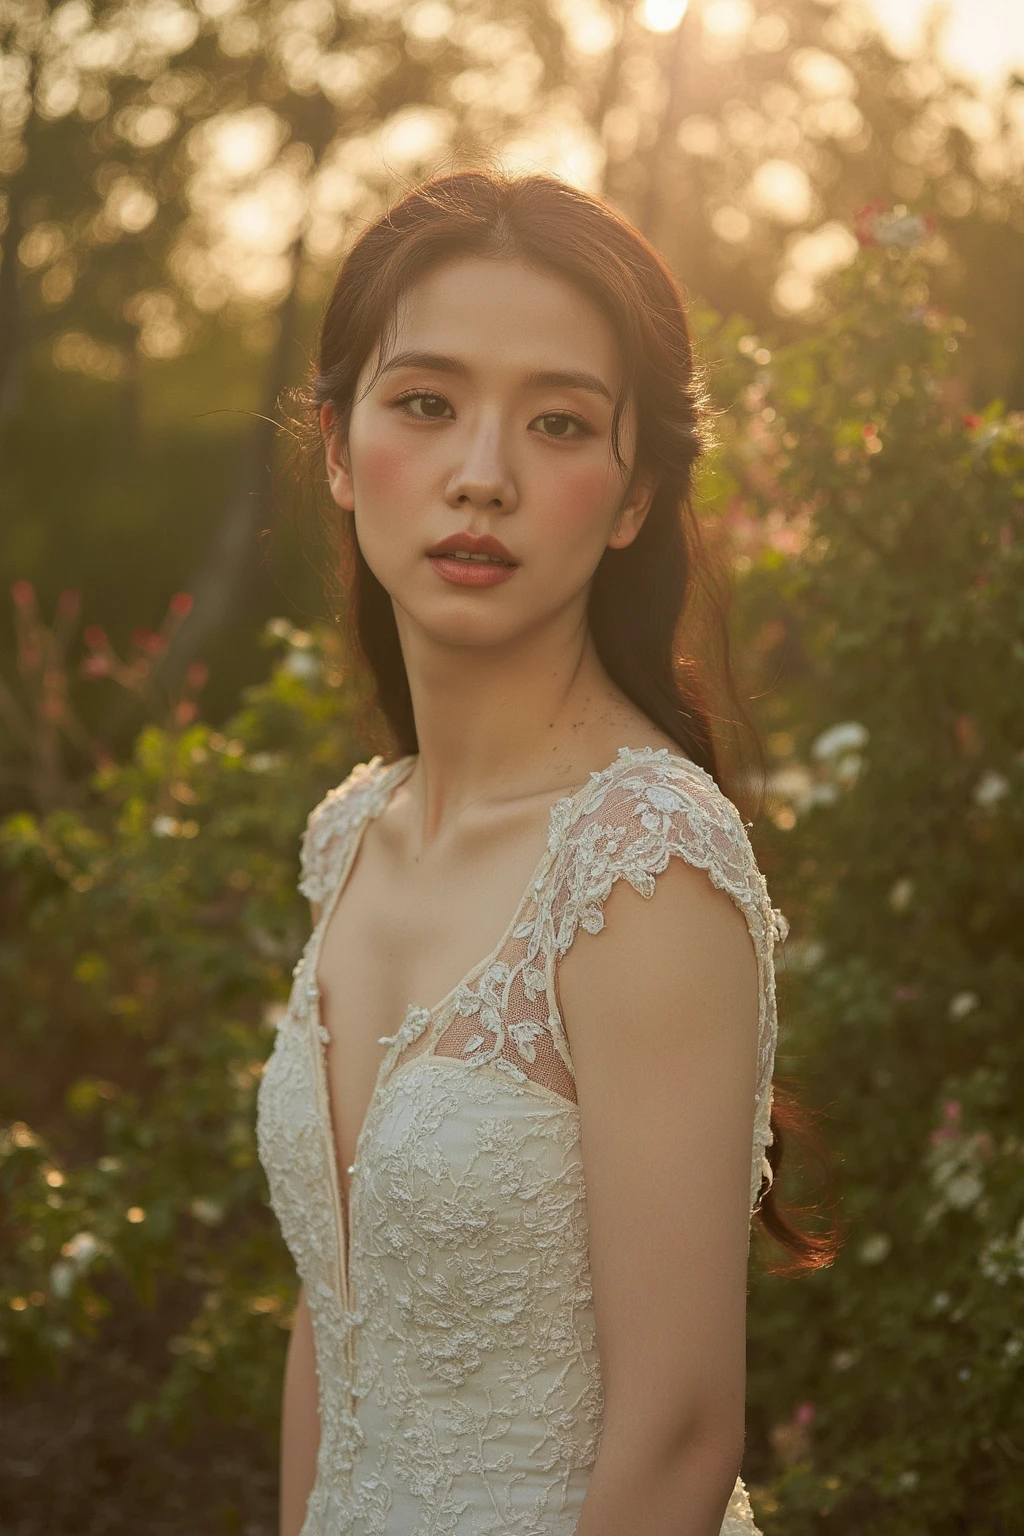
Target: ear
{"x": 339, "y": 476}
{"x": 633, "y": 510}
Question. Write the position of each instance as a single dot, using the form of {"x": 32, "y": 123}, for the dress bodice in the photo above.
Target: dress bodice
{"x": 460, "y": 1389}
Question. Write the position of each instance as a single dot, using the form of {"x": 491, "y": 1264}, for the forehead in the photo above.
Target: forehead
{"x": 508, "y": 315}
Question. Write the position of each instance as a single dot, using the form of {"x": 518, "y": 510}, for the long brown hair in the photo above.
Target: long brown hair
{"x": 643, "y": 597}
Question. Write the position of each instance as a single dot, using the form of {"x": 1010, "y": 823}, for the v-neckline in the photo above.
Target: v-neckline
{"x": 378, "y": 800}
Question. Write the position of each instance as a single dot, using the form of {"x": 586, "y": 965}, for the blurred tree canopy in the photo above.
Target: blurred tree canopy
{"x": 179, "y": 180}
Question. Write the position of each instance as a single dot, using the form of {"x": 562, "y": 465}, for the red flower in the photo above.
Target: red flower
{"x": 181, "y": 605}
{"x": 864, "y": 222}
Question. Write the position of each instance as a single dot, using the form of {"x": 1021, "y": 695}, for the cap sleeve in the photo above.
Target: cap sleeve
{"x": 628, "y": 827}
{"x": 329, "y": 827}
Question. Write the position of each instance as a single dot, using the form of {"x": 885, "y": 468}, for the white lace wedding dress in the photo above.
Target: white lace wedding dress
{"x": 458, "y": 1372}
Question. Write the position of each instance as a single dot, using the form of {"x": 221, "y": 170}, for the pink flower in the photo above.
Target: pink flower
{"x": 944, "y": 1134}
{"x": 875, "y": 224}
{"x": 804, "y": 1414}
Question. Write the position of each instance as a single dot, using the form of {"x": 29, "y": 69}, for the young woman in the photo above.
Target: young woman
{"x": 516, "y": 1117}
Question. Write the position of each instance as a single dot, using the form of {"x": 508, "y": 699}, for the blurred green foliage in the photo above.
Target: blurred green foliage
{"x": 148, "y": 940}
{"x": 885, "y": 534}
{"x": 149, "y": 933}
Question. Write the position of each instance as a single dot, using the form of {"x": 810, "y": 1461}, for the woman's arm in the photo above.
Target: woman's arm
{"x": 661, "y": 1008}
{"x": 300, "y": 1422}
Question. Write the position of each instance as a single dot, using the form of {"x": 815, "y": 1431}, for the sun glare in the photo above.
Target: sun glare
{"x": 663, "y": 15}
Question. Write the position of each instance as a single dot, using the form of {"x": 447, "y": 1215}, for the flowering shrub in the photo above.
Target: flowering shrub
{"x": 148, "y": 938}
{"x": 889, "y": 601}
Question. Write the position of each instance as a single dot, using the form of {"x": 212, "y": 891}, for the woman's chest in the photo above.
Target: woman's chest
{"x": 399, "y": 938}
{"x": 406, "y": 929}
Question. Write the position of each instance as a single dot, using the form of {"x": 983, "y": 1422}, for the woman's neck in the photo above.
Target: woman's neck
{"x": 494, "y": 725}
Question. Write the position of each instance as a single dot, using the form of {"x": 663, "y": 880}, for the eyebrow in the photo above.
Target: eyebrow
{"x": 544, "y": 378}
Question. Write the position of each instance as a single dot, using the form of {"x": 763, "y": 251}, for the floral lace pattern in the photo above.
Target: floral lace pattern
{"x": 460, "y": 1389}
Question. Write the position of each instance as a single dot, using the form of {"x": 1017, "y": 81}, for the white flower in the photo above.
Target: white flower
{"x": 907, "y": 1480}
{"x": 804, "y": 954}
{"x": 848, "y": 736}
{"x": 900, "y": 228}
{"x": 209, "y": 1212}
{"x": 263, "y": 762}
{"x": 793, "y": 783}
{"x": 81, "y": 1249}
{"x": 847, "y": 768}
{"x": 874, "y": 1248}
{"x": 301, "y": 664}
{"x": 165, "y": 826}
{"x": 963, "y": 1190}
{"x": 62, "y": 1279}
{"x": 901, "y": 894}
{"x": 963, "y": 1004}
{"x": 990, "y": 789}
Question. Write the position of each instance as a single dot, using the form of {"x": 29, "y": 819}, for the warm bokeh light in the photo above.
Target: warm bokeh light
{"x": 727, "y": 18}
{"x": 979, "y": 38}
{"x": 663, "y": 15}
{"x": 782, "y": 190}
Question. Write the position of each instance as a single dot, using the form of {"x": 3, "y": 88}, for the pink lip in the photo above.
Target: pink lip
{"x": 472, "y": 544}
{"x": 470, "y": 573}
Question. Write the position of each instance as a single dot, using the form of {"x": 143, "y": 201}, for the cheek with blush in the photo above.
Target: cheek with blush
{"x": 584, "y": 498}
{"x": 381, "y": 466}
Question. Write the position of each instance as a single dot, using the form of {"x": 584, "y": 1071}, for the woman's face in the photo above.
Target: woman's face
{"x": 492, "y": 416}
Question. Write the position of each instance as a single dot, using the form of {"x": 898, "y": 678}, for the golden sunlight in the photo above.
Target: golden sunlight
{"x": 663, "y": 15}
{"x": 727, "y": 18}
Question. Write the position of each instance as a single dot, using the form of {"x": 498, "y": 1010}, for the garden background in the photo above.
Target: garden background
{"x": 178, "y": 182}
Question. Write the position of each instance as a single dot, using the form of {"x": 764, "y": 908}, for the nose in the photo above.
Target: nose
{"x": 483, "y": 477}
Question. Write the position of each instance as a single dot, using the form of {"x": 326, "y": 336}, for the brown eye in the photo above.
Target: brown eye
{"x": 432, "y": 407}
{"x": 557, "y": 425}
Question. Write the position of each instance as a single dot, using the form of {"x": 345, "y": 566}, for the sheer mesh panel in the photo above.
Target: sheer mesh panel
{"x": 527, "y": 1032}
